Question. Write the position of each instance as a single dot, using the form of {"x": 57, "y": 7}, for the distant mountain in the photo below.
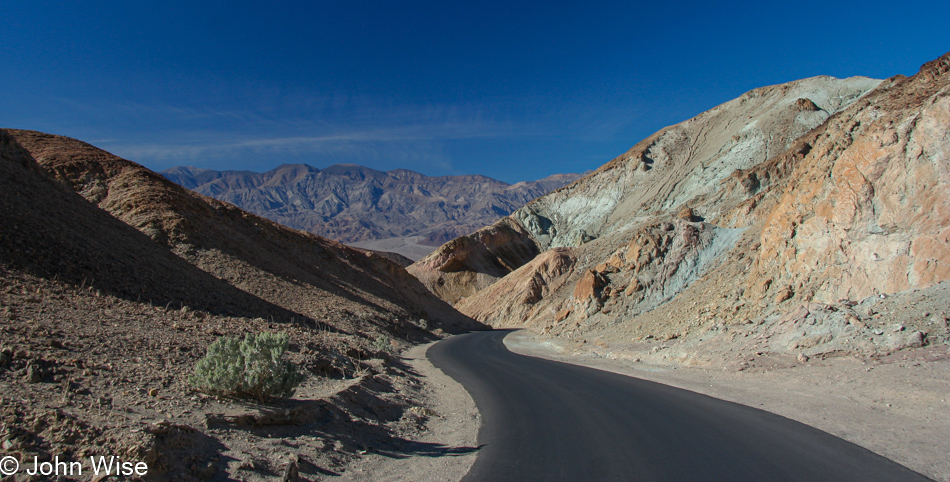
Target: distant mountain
{"x": 352, "y": 203}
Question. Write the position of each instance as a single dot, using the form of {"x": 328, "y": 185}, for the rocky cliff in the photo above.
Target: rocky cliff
{"x": 817, "y": 193}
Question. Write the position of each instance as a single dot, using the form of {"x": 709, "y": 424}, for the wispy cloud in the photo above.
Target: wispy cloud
{"x": 420, "y": 144}
{"x": 351, "y": 131}
{"x": 261, "y": 133}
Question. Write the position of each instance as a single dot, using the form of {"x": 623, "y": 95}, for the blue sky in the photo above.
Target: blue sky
{"x": 512, "y": 90}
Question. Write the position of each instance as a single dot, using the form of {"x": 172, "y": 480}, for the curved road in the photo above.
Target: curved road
{"x": 545, "y": 420}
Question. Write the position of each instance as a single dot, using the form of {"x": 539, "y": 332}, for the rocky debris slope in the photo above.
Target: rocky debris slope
{"x": 113, "y": 282}
{"x": 312, "y": 277}
{"x": 351, "y": 203}
{"x": 84, "y": 373}
{"x": 749, "y": 215}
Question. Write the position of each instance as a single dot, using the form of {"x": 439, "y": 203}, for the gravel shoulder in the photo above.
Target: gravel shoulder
{"x": 896, "y": 406}
{"x": 451, "y": 432}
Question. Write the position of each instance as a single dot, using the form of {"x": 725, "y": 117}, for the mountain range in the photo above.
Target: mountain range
{"x": 352, "y": 204}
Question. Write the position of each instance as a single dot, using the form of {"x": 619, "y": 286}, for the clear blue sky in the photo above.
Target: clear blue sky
{"x": 512, "y": 90}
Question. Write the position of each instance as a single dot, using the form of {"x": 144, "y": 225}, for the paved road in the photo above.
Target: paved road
{"x": 544, "y": 420}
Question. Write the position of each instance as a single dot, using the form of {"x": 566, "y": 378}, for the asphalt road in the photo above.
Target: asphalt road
{"x": 545, "y": 420}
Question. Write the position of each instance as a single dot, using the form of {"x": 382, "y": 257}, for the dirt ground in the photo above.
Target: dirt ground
{"x": 897, "y": 406}
{"x": 451, "y": 432}
{"x": 113, "y": 381}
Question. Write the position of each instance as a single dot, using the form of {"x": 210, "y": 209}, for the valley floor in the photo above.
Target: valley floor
{"x": 897, "y": 406}
{"x": 407, "y": 246}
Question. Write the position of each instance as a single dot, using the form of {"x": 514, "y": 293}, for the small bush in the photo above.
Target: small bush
{"x": 383, "y": 344}
{"x": 248, "y": 368}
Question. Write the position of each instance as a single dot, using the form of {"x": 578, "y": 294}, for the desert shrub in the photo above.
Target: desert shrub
{"x": 248, "y": 368}
{"x": 383, "y": 343}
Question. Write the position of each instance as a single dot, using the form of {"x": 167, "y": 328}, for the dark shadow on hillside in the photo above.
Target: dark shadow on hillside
{"x": 52, "y": 232}
{"x": 352, "y": 421}
{"x": 186, "y": 454}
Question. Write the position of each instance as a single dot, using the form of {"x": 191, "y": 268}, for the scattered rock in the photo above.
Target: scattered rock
{"x": 806, "y": 105}
{"x": 633, "y": 287}
{"x": 562, "y": 315}
{"x": 292, "y": 473}
{"x": 784, "y": 294}
{"x": 686, "y": 214}
{"x": 33, "y": 374}
{"x": 854, "y": 321}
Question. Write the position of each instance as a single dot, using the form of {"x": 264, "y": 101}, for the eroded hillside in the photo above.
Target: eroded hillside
{"x": 313, "y": 277}
{"x": 819, "y": 194}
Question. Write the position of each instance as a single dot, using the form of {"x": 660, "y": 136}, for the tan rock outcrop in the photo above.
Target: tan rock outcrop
{"x": 866, "y": 211}
{"x": 590, "y": 286}
{"x": 467, "y": 264}
{"x": 518, "y": 297}
{"x": 806, "y": 104}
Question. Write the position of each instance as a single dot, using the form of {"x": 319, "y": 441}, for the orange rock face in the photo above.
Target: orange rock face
{"x": 866, "y": 211}
{"x": 589, "y": 286}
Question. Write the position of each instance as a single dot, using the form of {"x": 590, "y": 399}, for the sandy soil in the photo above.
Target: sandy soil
{"x": 897, "y": 406}
{"x": 407, "y": 246}
{"x": 451, "y": 432}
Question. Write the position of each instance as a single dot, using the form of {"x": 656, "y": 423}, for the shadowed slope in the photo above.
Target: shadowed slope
{"x": 50, "y": 232}
{"x": 308, "y": 275}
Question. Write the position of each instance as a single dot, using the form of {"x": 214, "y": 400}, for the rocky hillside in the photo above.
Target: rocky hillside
{"x": 655, "y": 176}
{"x": 114, "y": 281}
{"x": 811, "y": 195}
{"x": 308, "y": 275}
{"x": 351, "y": 203}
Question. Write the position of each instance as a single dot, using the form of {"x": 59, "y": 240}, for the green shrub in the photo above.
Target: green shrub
{"x": 248, "y": 368}
{"x": 383, "y": 343}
